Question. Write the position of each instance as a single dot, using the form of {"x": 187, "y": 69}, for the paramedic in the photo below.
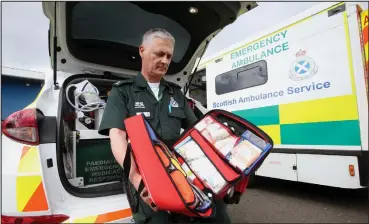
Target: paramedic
{"x": 150, "y": 94}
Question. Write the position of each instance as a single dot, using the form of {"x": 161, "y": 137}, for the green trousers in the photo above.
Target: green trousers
{"x": 162, "y": 217}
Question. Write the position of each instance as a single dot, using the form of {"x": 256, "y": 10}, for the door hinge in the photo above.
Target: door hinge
{"x": 337, "y": 10}
{"x": 294, "y": 167}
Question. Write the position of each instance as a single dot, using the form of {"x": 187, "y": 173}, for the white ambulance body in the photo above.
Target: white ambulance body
{"x": 302, "y": 82}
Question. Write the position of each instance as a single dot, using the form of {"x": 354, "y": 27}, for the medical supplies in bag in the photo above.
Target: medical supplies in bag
{"x": 227, "y": 149}
{"x": 200, "y": 164}
{"x": 214, "y": 155}
{"x": 162, "y": 174}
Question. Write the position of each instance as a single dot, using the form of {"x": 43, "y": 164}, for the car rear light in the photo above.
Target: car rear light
{"x": 22, "y": 126}
{"x": 34, "y": 219}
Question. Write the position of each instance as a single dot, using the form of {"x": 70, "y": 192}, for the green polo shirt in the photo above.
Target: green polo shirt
{"x": 133, "y": 96}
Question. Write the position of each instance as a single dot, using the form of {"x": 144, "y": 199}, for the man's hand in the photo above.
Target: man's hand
{"x": 119, "y": 147}
{"x": 147, "y": 199}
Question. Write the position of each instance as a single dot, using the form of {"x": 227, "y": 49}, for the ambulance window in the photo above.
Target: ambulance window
{"x": 197, "y": 89}
{"x": 248, "y": 76}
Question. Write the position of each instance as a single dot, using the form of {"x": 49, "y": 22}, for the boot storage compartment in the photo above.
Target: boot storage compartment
{"x": 92, "y": 160}
{"x": 87, "y": 156}
{"x": 220, "y": 149}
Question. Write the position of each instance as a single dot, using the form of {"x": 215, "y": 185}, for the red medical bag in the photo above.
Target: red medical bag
{"x": 163, "y": 175}
{"x": 216, "y": 153}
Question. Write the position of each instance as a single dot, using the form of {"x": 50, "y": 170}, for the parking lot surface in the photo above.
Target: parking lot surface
{"x": 278, "y": 201}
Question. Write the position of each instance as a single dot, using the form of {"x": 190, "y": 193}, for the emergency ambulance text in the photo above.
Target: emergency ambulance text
{"x": 251, "y": 54}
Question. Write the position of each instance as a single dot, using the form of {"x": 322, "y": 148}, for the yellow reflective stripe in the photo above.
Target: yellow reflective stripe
{"x": 349, "y": 53}
{"x": 30, "y": 161}
{"x": 363, "y": 18}
{"x": 30, "y": 192}
{"x": 90, "y": 219}
{"x": 274, "y": 131}
{"x": 329, "y": 109}
{"x": 103, "y": 218}
{"x": 26, "y": 186}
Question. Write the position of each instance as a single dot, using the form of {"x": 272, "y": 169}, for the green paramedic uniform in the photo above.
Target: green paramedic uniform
{"x": 167, "y": 116}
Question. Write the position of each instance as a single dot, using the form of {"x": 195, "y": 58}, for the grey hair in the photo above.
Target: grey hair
{"x": 157, "y": 33}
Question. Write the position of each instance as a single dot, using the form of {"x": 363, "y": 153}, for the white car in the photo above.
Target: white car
{"x": 56, "y": 167}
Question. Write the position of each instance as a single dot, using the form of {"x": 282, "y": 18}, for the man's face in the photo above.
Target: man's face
{"x": 156, "y": 56}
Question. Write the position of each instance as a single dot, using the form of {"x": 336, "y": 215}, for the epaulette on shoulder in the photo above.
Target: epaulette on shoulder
{"x": 121, "y": 82}
{"x": 174, "y": 84}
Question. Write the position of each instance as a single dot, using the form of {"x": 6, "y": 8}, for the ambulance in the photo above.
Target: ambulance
{"x": 304, "y": 82}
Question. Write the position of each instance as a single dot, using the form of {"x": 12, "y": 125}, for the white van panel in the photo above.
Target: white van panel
{"x": 279, "y": 165}
{"x": 321, "y": 37}
{"x": 328, "y": 170}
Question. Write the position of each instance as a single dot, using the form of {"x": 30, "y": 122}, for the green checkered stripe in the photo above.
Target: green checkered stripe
{"x": 342, "y": 133}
